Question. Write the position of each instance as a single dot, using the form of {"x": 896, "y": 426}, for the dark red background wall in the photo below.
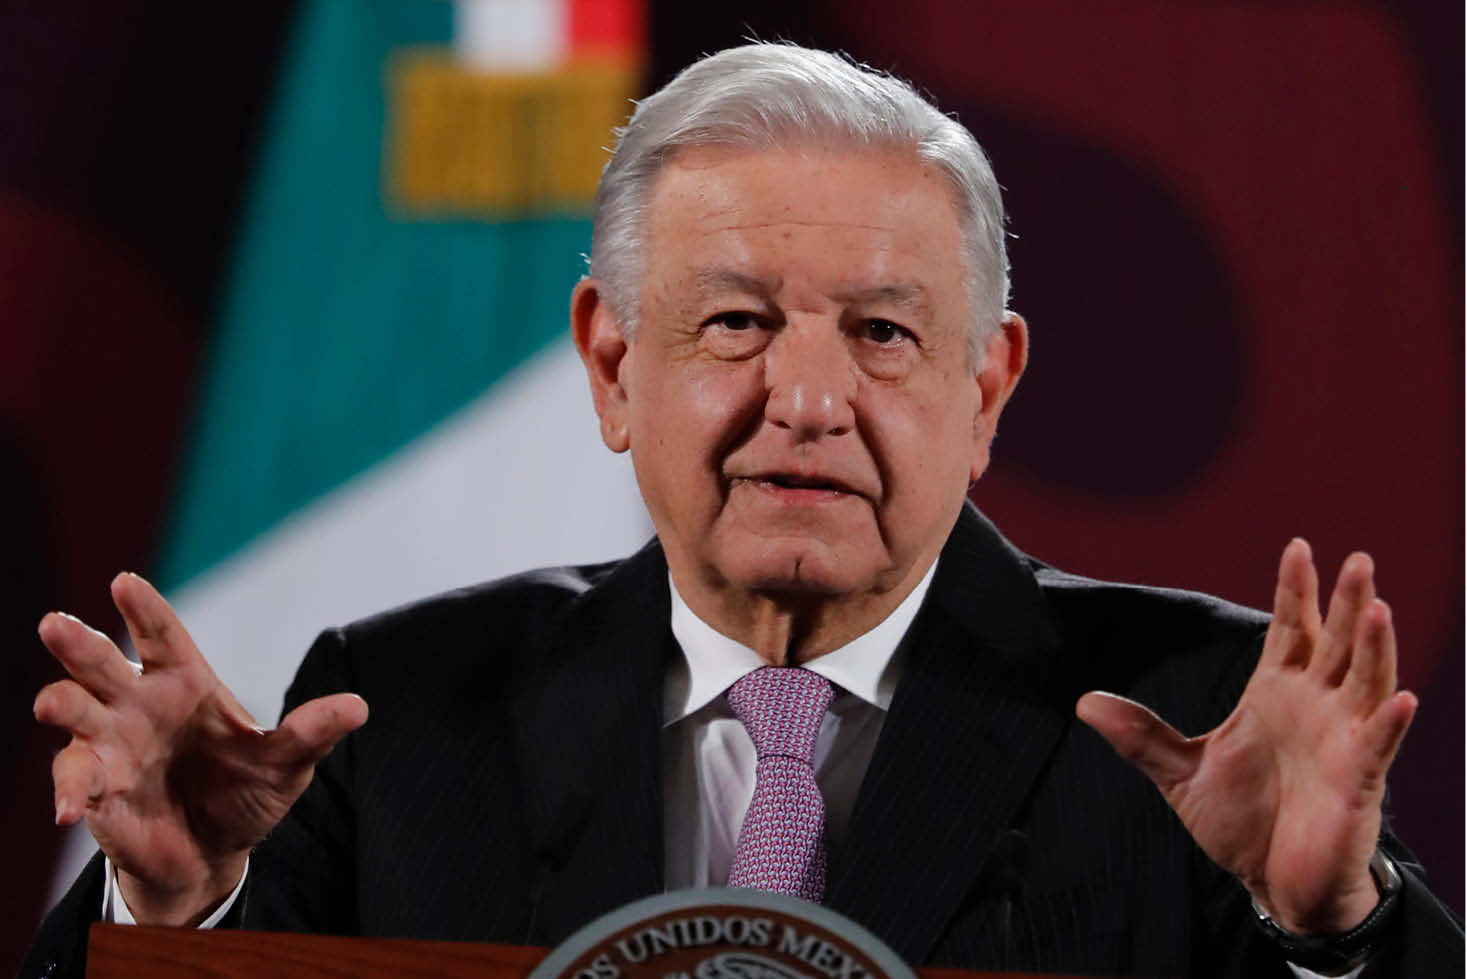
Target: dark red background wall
{"x": 1239, "y": 244}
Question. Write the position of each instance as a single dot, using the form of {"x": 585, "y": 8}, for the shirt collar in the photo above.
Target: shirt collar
{"x": 712, "y": 662}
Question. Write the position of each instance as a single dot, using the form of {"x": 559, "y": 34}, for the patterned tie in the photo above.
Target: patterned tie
{"x": 781, "y": 846}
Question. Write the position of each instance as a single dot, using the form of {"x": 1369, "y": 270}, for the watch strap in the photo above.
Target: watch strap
{"x": 1339, "y": 953}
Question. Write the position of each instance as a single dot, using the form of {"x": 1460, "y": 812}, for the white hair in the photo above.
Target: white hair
{"x": 764, "y": 96}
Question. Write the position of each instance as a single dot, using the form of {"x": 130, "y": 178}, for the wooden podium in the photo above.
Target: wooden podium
{"x": 125, "y": 952}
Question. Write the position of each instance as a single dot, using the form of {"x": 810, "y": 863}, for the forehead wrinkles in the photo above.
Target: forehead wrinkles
{"x": 724, "y": 208}
{"x": 842, "y": 225}
{"x": 739, "y": 188}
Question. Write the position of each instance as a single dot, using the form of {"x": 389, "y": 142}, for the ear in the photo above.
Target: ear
{"x": 1005, "y": 355}
{"x": 603, "y": 350}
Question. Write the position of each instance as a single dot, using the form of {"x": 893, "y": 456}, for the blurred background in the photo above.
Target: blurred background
{"x": 283, "y": 292}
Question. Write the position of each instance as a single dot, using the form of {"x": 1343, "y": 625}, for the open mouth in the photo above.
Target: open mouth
{"x": 799, "y": 482}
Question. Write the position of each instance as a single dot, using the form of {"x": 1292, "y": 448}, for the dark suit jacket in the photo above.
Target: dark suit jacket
{"x": 508, "y": 787}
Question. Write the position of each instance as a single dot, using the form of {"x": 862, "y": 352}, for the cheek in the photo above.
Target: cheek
{"x": 691, "y": 414}
{"x": 922, "y": 444}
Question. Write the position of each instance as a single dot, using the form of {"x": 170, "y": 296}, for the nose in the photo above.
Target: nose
{"x": 811, "y": 383}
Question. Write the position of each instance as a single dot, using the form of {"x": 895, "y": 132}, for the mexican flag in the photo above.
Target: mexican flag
{"x": 391, "y": 405}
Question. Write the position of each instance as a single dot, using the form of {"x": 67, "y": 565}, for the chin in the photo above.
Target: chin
{"x": 802, "y": 566}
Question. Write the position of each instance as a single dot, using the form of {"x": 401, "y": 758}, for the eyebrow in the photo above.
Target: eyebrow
{"x": 907, "y": 295}
{"x": 715, "y": 280}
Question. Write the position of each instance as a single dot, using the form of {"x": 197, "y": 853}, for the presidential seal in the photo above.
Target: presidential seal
{"x": 722, "y": 933}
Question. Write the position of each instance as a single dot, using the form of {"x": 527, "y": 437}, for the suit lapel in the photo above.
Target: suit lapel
{"x": 588, "y": 739}
{"x": 979, "y": 709}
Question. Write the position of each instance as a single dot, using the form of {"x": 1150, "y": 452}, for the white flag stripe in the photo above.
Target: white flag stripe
{"x": 511, "y": 35}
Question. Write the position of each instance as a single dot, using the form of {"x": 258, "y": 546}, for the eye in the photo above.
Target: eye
{"x": 735, "y": 321}
{"x": 735, "y": 334}
{"x": 883, "y": 332}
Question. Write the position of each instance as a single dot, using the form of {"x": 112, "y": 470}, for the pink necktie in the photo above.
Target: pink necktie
{"x": 781, "y": 846}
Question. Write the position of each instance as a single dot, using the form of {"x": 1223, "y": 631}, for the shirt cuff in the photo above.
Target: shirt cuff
{"x": 1304, "y": 973}
{"x": 116, "y": 912}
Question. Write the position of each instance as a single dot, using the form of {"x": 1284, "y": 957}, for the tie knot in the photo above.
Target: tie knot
{"x": 781, "y": 708}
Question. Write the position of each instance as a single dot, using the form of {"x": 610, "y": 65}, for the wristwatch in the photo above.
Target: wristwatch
{"x": 1338, "y": 954}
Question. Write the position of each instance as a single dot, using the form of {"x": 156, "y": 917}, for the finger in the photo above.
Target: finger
{"x": 67, "y": 704}
{"x": 1372, "y": 674}
{"x": 76, "y": 777}
{"x": 1387, "y": 728}
{"x": 1354, "y": 591}
{"x": 89, "y": 656}
{"x": 160, "y": 637}
{"x": 1140, "y": 737}
{"x": 1295, "y": 627}
{"x": 308, "y": 733}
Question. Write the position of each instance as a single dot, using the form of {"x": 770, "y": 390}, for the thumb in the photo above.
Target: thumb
{"x": 1142, "y": 738}
{"x": 308, "y": 733}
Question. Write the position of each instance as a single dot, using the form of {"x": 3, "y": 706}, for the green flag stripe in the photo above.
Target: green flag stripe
{"x": 345, "y": 333}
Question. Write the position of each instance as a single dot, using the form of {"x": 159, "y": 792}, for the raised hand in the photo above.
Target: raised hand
{"x": 1286, "y": 792}
{"x": 175, "y": 780}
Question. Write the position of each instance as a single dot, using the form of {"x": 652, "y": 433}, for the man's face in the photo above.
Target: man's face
{"x": 798, "y": 398}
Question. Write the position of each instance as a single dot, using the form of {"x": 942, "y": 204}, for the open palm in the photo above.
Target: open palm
{"x": 173, "y": 777}
{"x": 1286, "y": 792}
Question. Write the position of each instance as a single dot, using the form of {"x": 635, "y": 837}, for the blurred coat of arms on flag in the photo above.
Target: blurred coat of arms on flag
{"x": 515, "y": 117}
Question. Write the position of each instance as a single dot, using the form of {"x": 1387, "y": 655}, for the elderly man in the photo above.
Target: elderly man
{"x": 828, "y": 675}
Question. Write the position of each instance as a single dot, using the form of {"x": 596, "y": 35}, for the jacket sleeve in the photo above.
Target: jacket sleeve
{"x": 1426, "y": 937}
{"x": 59, "y": 950}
